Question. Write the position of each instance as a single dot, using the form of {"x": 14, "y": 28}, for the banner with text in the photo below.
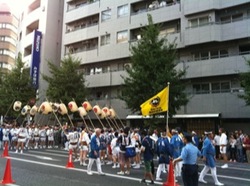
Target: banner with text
{"x": 35, "y": 59}
{"x": 156, "y": 104}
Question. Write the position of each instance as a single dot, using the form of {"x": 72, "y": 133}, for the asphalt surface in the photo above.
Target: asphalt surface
{"x": 47, "y": 167}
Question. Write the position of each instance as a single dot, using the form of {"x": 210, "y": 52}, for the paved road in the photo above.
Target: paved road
{"x": 47, "y": 168}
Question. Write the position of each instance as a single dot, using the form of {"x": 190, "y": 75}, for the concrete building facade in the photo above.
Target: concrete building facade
{"x": 45, "y": 16}
{"x": 8, "y": 38}
{"x": 212, "y": 40}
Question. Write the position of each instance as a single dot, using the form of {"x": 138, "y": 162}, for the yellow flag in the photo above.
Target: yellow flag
{"x": 156, "y": 104}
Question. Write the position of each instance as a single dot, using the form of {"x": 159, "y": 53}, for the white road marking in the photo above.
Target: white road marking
{"x": 230, "y": 167}
{"x": 47, "y": 153}
{"x": 111, "y": 175}
{"x": 77, "y": 169}
{"x": 36, "y": 156}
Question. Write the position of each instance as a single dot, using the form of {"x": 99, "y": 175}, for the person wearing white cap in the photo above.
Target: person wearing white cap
{"x": 208, "y": 152}
{"x": 195, "y": 139}
{"x": 94, "y": 154}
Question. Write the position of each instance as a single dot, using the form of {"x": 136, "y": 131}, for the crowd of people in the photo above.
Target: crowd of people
{"x": 110, "y": 147}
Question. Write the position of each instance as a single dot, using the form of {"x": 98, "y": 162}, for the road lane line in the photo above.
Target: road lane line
{"x": 47, "y": 153}
{"x": 113, "y": 175}
{"x": 230, "y": 167}
{"x": 36, "y": 156}
{"x": 79, "y": 170}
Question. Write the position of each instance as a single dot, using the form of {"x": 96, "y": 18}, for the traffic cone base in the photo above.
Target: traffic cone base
{"x": 7, "y": 178}
{"x": 5, "y": 151}
{"x": 70, "y": 163}
{"x": 171, "y": 178}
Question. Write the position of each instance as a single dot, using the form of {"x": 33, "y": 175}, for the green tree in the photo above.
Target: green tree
{"x": 66, "y": 82}
{"x": 153, "y": 61}
{"x": 245, "y": 83}
{"x": 15, "y": 85}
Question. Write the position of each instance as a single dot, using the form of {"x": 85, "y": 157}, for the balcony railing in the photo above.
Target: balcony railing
{"x": 219, "y": 22}
{"x": 83, "y": 26}
{"x": 82, "y": 5}
{"x": 152, "y": 8}
{"x": 219, "y": 56}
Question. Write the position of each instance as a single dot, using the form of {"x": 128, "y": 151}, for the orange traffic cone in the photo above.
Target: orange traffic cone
{"x": 171, "y": 178}
{"x": 70, "y": 163}
{"x": 7, "y": 178}
{"x": 6, "y": 151}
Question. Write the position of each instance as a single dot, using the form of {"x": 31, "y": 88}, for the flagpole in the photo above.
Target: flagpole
{"x": 168, "y": 109}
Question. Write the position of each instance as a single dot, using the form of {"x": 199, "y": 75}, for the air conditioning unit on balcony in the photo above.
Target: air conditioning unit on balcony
{"x": 127, "y": 65}
{"x": 240, "y": 90}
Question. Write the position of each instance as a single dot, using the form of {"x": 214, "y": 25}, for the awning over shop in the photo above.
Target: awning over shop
{"x": 177, "y": 116}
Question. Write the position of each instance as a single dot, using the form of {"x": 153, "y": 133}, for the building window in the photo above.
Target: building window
{"x": 122, "y": 10}
{"x": 245, "y": 49}
{"x": 193, "y": 23}
{"x": 205, "y": 55}
{"x": 248, "y": 13}
{"x": 215, "y": 87}
{"x": 198, "y": 22}
{"x": 237, "y": 17}
{"x": 225, "y": 19}
{"x": 7, "y": 39}
{"x": 231, "y": 18}
{"x": 106, "y": 15}
{"x": 122, "y": 36}
{"x": 214, "y": 54}
{"x": 225, "y": 87}
{"x": 105, "y": 39}
{"x": 203, "y": 21}
{"x": 223, "y": 53}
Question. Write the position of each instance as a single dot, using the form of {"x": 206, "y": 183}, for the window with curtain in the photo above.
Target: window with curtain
{"x": 122, "y": 10}
{"x": 122, "y": 36}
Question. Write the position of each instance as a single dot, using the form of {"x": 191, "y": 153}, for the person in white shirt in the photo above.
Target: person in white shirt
{"x": 36, "y": 137}
{"x": 73, "y": 138}
{"x": 84, "y": 146}
{"x": 14, "y": 132}
{"x": 223, "y": 147}
{"x": 42, "y": 135}
{"x": 31, "y": 137}
{"x": 115, "y": 151}
{"x": 6, "y": 132}
{"x": 50, "y": 134}
{"x": 22, "y": 135}
{"x": 217, "y": 146}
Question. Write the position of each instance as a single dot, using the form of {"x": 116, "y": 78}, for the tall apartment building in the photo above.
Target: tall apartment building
{"x": 212, "y": 40}
{"x": 8, "y": 38}
{"x": 44, "y": 16}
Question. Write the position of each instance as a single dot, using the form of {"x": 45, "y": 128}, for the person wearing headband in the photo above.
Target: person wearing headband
{"x": 208, "y": 153}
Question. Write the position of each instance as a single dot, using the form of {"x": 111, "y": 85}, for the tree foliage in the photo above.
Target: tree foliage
{"x": 245, "y": 83}
{"x": 65, "y": 82}
{"x": 153, "y": 62}
{"x": 15, "y": 85}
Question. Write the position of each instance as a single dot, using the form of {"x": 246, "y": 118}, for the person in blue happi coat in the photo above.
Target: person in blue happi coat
{"x": 176, "y": 145}
{"x": 164, "y": 152}
{"x": 94, "y": 154}
{"x": 195, "y": 139}
{"x": 208, "y": 153}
